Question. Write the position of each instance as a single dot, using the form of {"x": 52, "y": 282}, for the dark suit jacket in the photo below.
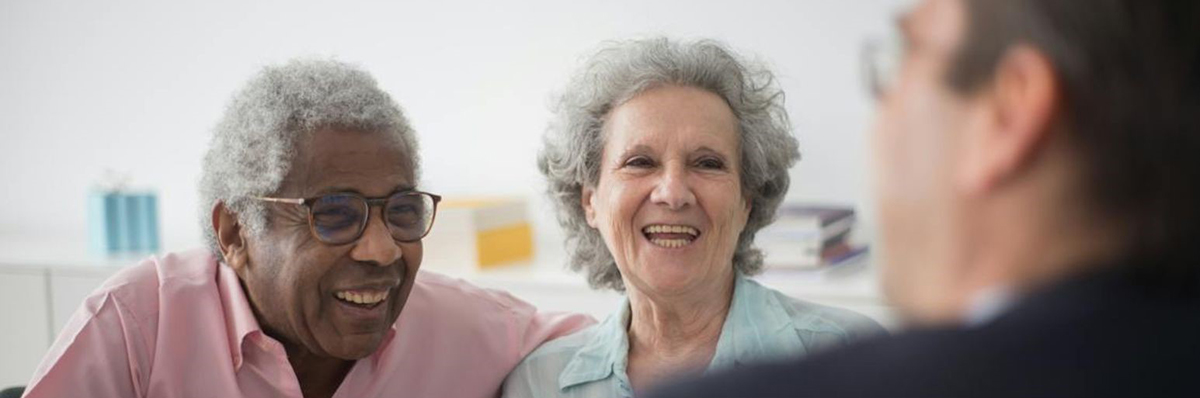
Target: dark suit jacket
{"x": 1104, "y": 334}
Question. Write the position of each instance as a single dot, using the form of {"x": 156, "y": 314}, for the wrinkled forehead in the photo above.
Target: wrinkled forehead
{"x": 684, "y": 117}
{"x": 341, "y": 160}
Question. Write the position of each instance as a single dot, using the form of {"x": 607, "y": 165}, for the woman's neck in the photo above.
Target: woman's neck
{"x": 675, "y": 335}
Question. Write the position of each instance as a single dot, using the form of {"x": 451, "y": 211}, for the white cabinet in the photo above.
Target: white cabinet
{"x": 24, "y": 323}
{"x": 42, "y": 282}
{"x": 35, "y": 303}
{"x": 68, "y": 288}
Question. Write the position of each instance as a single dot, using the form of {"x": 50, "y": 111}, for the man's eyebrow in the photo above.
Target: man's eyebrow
{"x": 343, "y": 189}
{"x": 336, "y": 189}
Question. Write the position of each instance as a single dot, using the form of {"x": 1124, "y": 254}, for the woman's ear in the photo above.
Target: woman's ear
{"x": 586, "y": 199}
{"x": 749, "y": 209}
{"x": 229, "y": 237}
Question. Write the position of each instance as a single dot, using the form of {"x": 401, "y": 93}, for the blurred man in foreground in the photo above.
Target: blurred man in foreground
{"x": 1038, "y": 173}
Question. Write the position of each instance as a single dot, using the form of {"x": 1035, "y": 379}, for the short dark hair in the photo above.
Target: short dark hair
{"x": 1130, "y": 79}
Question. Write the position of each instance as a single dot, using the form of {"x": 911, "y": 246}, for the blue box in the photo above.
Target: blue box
{"x": 145, "y": 224}
{"x": 122, "y": 222}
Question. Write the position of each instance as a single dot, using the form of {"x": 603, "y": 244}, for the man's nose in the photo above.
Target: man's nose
{"x": 376, "y": 244}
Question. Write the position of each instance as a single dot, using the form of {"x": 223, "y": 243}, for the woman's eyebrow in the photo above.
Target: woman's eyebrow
{"x": 707, "y": 150}
{"x": 639, "y": 149}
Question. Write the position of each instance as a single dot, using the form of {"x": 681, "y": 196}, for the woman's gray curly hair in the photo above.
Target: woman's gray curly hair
{"x": 571, "y": 156}
{"x": 256, "y": 141}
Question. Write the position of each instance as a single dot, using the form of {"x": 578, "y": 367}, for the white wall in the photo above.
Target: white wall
{"x": 135, "y": 86}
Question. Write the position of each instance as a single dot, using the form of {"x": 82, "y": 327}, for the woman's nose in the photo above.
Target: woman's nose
{"x": 376, "y": 244}
{"x": 672, "y": 190}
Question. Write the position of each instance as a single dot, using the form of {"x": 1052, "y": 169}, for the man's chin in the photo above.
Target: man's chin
{"x": 357, "y": 347}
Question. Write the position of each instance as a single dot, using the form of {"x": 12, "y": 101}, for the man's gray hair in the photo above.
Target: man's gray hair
{"x": 256, "y": 141}
{"x": 571, "y": 156}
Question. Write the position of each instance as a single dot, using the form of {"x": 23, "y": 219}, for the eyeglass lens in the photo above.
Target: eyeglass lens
{"x": 341, "y": 218}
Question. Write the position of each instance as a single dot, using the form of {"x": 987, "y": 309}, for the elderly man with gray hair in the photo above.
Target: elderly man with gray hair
{"x": 665, "y": 158}
{"x": 314, "y": 222}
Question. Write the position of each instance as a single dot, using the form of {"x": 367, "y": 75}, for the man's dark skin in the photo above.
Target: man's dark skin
{"x": 290, "y": 277}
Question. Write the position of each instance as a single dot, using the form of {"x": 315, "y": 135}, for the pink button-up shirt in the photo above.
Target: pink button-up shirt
{"x": 181, "y": 326}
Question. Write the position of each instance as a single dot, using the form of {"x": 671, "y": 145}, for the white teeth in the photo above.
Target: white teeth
{"x": 670, "y": 243}
{"x": 367, "y": 298}
{"x": 671, "y": 229}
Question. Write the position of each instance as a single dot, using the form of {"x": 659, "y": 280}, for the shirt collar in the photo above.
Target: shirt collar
{"x": 605, "y": 352}
{"x": 384, "y": 345}
{"x": 756, "y": 327}
{"x": 239, "y": 318}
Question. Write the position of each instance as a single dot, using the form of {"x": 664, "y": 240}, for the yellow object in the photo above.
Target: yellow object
{"x": 503, "y": 245}
{"x": 471, "y": 203}
{"x": 497, "y": 230}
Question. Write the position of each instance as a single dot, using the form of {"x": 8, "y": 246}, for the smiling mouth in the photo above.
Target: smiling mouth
{"x": 670, "y": 236}
{"x": 363, "y": 298}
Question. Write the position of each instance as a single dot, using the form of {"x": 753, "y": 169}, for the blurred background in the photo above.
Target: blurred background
{"x": 134, "y": 88}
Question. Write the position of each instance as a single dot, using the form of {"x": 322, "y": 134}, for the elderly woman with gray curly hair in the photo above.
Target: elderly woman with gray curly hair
{"x": 664, "y": 159}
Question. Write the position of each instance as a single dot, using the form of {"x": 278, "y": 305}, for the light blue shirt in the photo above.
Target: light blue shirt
{"x": 762, "y": 325}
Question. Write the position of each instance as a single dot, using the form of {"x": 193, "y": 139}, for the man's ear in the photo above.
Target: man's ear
{"x": 230, "y": 238}
{"x": 1018, "y": 117}
{"x": 586, "y": 198}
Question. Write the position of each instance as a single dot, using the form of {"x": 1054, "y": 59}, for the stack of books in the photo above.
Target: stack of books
{"x": 810, "y": 236}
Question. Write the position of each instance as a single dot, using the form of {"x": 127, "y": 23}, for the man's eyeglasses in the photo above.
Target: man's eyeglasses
{"x": 341, "y": 218}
